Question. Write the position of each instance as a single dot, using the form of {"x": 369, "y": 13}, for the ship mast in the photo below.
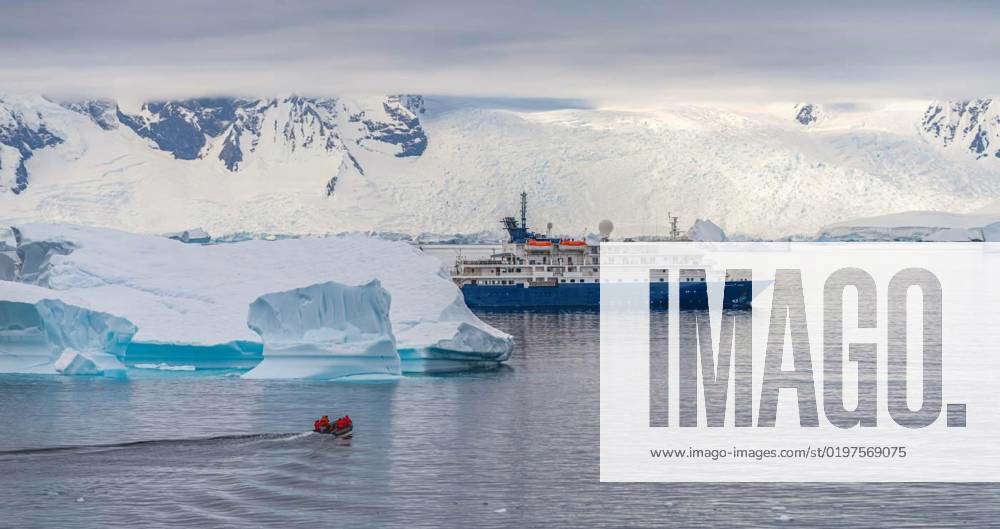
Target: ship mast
{"x": 675, "y": 233}
{"x": 524, "y": 209}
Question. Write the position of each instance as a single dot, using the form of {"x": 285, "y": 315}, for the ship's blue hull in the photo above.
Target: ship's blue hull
{"x": 737, "y": 295}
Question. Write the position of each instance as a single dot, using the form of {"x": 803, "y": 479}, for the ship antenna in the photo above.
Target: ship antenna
{"x": 524, "y": 209}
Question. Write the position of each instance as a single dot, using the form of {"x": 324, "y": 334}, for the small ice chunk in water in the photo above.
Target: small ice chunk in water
{"x": 165, "y": 367}
{"x": 73, "y": 362}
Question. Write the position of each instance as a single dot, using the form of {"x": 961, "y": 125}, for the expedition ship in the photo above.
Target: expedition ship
{"x": 541, "y": 271}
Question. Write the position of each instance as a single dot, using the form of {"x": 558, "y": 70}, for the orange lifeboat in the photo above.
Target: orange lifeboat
{"x": 539, "y": 244}
{"x": 573, "y": 244}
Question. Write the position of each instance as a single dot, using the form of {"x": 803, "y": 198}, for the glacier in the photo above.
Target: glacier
{"x": 190, "y": 302}
{"x": 325, "y": 331}
{"x": 42, "y": 334}
{"x": 316, "y": 166}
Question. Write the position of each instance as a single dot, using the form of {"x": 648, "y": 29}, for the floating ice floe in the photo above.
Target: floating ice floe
{"x": 325, "y": 331}
{"x": 164, "y": 367}
{"x": 40, "y": 334}
{"x": 73, "y": 362}
{"x": 190, "y": 302}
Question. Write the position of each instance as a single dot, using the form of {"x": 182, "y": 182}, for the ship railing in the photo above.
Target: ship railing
{"x": 484, "y": 262}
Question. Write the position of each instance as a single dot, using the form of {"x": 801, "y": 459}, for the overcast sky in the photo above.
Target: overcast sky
{"x": 601, "y": 51}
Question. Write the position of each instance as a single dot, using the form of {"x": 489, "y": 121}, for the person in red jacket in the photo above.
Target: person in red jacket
{"x": 322, "y": 425}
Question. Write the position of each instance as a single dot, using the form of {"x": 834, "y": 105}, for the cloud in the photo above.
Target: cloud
{"x": 600, "y": 51}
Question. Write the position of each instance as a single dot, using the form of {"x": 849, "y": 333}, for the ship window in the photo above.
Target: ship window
{"x": 562, "y": 280}
{"x": 661, "y": 280}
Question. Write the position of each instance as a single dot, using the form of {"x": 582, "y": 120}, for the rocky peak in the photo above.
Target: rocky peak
{"x": 23, "y": 130}
{"x": 969, "y": 125}
{"x": 807, "y": 113}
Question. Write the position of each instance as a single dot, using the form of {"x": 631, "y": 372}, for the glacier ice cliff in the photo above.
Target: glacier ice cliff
{"x": 36, "y": 331}
{"x": 325, "y": 331}
{"x": 190, "y": 302}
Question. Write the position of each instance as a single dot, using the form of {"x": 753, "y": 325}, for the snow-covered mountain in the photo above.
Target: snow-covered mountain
{"x": 972, "y": 126}
{"x": 230, "y": 131}
{"x": 407, "y": 164}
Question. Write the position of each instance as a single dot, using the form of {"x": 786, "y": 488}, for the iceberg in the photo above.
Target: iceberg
{"x": 705, "y": 230}
{"x": 934, "y": 226}
{"x": 991, "y": 232}
{"x": 192, "y": 236}
{"x": 9, "y": 261}
{"x": 450, "y": 344}
{"x": 73, "y": 362}
{"x": 43, "y": 335}
{"x": 325, "y": 331}
{"x": 190, "y": 301}
{"x": 952, "y": 235}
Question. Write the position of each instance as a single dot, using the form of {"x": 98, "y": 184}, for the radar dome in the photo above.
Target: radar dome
{"x": 605, "y": 228}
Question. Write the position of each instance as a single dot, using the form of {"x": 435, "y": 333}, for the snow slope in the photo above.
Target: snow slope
{"x": 184, "y": 294}
{"x": 407, "y": 164}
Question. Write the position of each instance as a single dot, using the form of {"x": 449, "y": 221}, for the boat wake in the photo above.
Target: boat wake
{"x": 246, "y": 438}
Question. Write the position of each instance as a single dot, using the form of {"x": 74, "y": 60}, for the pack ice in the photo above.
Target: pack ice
{"x": 39, "y": 334}
{"x": 325, "y": 331}
{"x": 190, "y": 302}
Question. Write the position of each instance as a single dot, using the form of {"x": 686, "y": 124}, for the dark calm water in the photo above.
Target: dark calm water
{"x": 513, "y": 447}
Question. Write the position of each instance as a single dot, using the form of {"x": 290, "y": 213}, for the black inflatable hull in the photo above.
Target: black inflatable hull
{"x": 343, "y": 432}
